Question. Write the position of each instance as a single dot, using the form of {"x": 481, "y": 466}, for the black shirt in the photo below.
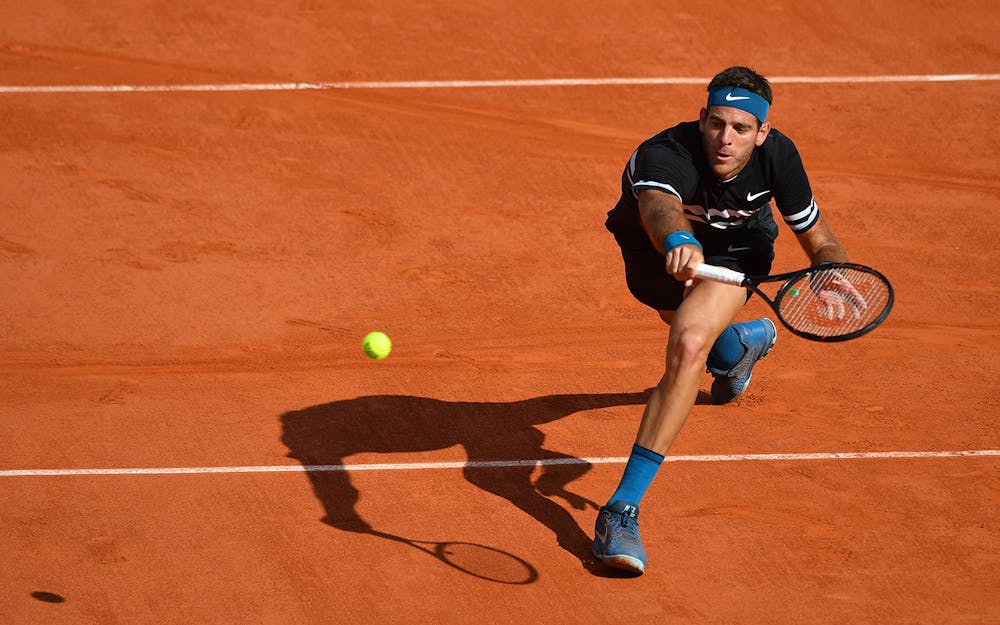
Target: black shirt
{"x": 674, "y": 162}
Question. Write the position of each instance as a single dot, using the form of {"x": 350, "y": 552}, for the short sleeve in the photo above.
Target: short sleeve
{"x": 792, "y": 193}
{"x": 664, "y": 166}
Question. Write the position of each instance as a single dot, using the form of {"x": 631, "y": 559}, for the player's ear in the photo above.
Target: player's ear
{"x": 762, "y": 132}
{"x": 701, "y": 119}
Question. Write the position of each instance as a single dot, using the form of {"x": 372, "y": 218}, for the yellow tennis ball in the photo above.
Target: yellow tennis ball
{"x": 376, "y": 345}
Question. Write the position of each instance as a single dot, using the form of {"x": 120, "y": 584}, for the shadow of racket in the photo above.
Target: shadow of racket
{"x": 488, "y": 563}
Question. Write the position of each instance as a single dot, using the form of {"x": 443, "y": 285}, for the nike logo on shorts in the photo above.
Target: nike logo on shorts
{"x": 738, "y": 249}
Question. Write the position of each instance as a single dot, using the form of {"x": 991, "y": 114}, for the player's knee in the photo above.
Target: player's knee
{"x": 688, "y": 347}
{"x": 726, "y": 352}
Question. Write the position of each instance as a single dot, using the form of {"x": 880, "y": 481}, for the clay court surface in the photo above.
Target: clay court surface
{"x": 191, "y": 434}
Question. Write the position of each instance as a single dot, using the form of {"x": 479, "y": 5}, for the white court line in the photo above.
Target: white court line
{"x": 465, "y": 84}
{"x": 495, "y": 464}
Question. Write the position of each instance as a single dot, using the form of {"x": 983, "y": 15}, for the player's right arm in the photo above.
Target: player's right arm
{"x": 663, "y": 214}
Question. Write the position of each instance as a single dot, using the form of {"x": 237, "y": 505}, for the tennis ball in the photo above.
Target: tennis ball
{"x": 376, "y": 345}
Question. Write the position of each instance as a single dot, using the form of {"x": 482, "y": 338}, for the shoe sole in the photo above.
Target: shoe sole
{"x": 623, "y": 563}
{"x": 774, "y": 328}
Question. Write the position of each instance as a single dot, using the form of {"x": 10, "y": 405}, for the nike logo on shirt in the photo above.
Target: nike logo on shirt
{"x": 753, "y": 196}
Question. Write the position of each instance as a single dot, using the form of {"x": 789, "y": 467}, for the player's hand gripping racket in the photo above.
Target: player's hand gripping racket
{"x": 828, "y": 302}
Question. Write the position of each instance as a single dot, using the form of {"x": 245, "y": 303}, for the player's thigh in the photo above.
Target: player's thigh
{"x": 707, "y": 309}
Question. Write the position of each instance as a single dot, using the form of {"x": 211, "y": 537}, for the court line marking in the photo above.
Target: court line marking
{"x": 495, "y": 464}
{"x": 466, "y": 84}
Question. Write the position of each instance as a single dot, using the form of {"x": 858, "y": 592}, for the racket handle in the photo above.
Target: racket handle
{"x": 720, "y": 274}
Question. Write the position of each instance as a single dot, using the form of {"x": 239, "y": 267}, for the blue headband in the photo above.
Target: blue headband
{"x": 740, "y": 99}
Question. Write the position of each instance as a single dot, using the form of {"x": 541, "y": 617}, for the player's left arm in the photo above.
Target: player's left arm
{"x": 794, "y": 198}
{"x": 820, "y": 244}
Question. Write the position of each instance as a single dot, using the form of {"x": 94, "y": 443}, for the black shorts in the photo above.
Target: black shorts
{"x": 749, "y": 250}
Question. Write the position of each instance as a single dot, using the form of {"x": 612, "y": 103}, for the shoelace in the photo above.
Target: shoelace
{"x": 631, "y": 534}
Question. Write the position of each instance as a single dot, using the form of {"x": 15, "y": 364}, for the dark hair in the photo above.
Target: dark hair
{"x": 742, "y": 78}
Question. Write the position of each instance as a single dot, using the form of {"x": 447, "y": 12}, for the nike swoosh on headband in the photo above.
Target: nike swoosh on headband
{"x": 739, "y": 98}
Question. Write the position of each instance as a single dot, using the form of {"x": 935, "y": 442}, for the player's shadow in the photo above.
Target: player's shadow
{"x": 324, "y": 435}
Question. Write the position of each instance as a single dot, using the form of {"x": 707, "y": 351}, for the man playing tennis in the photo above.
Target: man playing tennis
{"x": 700, "y": 192}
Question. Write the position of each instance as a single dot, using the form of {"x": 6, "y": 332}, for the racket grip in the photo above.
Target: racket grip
{"x": 720, "y": 274}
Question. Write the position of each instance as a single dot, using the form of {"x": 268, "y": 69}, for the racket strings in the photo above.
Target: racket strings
{"x": 835, "y": 302}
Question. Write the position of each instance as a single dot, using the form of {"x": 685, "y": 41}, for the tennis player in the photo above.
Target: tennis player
{"x": 701, "y": 191}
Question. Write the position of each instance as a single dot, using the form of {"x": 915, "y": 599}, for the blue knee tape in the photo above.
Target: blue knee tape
{"x": 727, "y": 351}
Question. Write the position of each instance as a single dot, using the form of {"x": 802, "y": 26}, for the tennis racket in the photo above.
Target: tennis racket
{"x": 828, "y": 302}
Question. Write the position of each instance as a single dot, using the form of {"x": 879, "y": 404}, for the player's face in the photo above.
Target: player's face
{"x": 729, "y": 136}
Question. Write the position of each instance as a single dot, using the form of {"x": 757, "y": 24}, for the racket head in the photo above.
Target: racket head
{"x": 834, "y": 301}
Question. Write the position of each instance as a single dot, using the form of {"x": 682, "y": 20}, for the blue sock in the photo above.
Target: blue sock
{"x": 639, "y": 473}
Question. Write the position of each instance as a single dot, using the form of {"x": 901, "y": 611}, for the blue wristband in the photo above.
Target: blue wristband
{"x": 681, "y": 237}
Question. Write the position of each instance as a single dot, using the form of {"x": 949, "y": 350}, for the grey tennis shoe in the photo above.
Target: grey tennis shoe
{"x": 758, "y": 337}
{"x": 616, "y": 538}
